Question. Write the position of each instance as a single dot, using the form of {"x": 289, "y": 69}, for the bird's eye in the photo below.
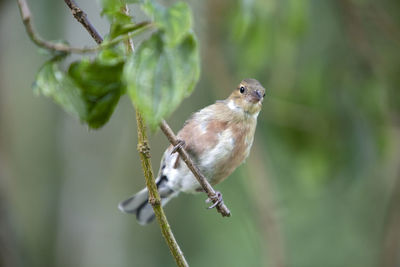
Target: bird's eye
{"x": 241, "y": 89}
{"x": 264, "y": 95}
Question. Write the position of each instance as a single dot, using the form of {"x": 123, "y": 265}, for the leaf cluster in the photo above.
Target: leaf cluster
{"x": 157, "y": 76}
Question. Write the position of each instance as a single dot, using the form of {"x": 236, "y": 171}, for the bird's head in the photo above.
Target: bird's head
{"x": 248, "y": 96}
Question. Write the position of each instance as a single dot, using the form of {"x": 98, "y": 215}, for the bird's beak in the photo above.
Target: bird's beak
{"x": 256, "y": 96}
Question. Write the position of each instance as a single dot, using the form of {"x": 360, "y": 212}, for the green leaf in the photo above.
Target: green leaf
{"x": 100, "y": 85}
{"x": 90, "y": 89}
{"x": 120, "y": 24}
{"x": 111, "y": 7}
{"x": 158, "y": 76}
{"x": 121, "y": 29}
{"x": 175, "y": 21}
{"x": 55, "y": 84}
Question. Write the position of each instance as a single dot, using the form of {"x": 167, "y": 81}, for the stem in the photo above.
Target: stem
{"x": 26, "y": 19}
{"x": 221, "y": 208}
{"x": 154, "y": 196}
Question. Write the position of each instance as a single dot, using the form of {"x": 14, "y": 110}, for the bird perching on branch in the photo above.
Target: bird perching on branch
{"x": 218, "y": 138}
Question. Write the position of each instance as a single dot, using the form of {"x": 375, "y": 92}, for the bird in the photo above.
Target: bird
{"x": 218, "y": 139}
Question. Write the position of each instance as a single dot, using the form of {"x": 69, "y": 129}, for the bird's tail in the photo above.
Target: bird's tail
{"x": 138, "y": 204}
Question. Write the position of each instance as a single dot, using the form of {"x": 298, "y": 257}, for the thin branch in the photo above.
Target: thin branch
{"x": 196, "y": 172}
{"x": 81, "y": 16}
{"x": 154, "y": 196}
{"x": 34, "y": 36}
{"x": 26, "y": 19}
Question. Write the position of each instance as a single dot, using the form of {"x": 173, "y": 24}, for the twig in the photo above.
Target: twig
{"x": 196, "y": 172}
{"x": 81, "y": 16}
{"x": 27, "y": 20}
{"x": 154, "y": 196}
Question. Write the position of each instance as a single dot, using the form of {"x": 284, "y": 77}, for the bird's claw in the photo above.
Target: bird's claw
{"x": 218, "y": 202}
{"x": 180, "y": 144}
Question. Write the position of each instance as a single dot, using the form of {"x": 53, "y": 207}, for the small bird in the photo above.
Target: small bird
{"x": 218, "y": 139}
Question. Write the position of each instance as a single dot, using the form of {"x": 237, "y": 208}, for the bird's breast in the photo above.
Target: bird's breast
{"x": 231, "y": 150}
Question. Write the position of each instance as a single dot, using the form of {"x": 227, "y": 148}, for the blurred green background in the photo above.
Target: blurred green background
{"x": 321, "y": 186}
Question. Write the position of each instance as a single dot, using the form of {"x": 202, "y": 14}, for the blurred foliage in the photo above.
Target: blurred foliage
{"x": 319, "y": 187}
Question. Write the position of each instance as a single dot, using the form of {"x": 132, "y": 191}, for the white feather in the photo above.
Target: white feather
{"x": 232, "y": 105}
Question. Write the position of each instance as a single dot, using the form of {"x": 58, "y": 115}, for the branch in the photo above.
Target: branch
{"x": 81, "y": 16}
{"x": 196, "y": 172}
{"x": 26, "y": 18}
{"x": 154, "y": 196}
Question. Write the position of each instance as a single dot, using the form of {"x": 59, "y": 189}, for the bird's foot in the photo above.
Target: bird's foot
{"x": 218, "y": 202}
{"x": 180, "y": 144}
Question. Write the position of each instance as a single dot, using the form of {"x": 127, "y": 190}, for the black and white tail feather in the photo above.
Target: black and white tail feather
{"x": 139, "y": 204}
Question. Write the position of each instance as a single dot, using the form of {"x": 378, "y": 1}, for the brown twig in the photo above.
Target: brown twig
{"x": 212, "y": 194}
{"x": 81, "y": 16}
{"x": 26, "y": 19}
{"x": 34, "y": 36}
